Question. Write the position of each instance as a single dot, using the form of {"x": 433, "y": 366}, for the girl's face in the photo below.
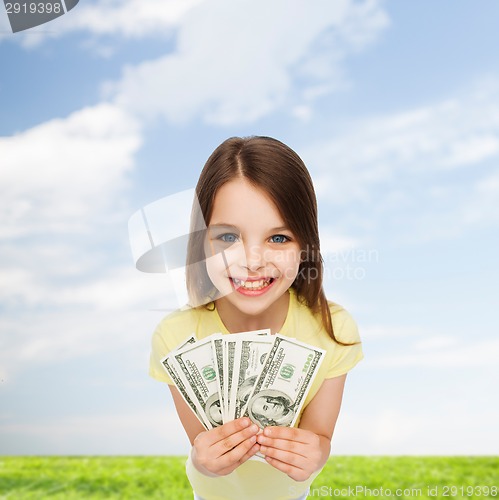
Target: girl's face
{"x": 252, "y": 256}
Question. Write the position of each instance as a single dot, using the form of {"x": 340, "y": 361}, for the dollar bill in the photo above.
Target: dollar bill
{"x": 284, "y": 382}
{"x": 191, "y": 339}
{"x": 232, "y": 358}
{"x": 230, "y": 383}
{"x": 218, "y": 346}
{"x": 251, "y": 352}
{"x": 184, "y": 389}
{"x": 196, "y": 367}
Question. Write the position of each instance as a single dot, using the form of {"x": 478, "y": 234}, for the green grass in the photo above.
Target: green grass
{"x": 415, "y": 474}
{"x": 164, "y": 477}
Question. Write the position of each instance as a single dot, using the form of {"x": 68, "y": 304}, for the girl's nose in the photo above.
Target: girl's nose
{"x": 254, "y": 257}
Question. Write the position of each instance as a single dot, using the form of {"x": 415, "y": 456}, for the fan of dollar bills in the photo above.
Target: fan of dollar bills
{"x": 265, "y": 377}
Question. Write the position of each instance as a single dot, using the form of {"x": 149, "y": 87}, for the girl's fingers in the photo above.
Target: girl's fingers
{"x": 286, "y": 457}
{"x": 235, "y": 457}
{"x": 232, "y": 441}
{"x": 225, "y": 447}
{"x": 224, "y": 431}
{"x": 289, "y": 433}
{"x": 283, "y": 444}
{"x": 252, "y": 451}
{"x": 293, "y": 472}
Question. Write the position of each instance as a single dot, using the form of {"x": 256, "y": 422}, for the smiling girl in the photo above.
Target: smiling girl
{"x": 256, "y": 266}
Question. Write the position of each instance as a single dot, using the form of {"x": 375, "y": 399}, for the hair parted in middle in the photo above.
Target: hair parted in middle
{"x": 276, "y": 169}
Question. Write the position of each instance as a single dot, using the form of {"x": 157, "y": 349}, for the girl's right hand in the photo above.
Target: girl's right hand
{"x": 219, "y": 451}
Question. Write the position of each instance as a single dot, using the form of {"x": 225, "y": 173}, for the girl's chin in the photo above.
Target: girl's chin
{"x": 253, "y": 303}
{"x": 249, "y": 310}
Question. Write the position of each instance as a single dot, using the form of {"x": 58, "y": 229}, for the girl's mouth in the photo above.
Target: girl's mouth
{"x": 251, "y": 286}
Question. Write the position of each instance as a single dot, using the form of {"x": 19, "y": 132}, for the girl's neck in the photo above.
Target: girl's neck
{"x": 235, "y": 321}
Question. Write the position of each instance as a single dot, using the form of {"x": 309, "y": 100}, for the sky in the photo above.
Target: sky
{"x": 394, "y": 108}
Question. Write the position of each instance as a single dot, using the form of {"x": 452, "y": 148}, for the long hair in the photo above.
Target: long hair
{"x": 276, "y": 169}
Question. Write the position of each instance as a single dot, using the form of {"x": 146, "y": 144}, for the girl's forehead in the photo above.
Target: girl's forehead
{"x": 240, "y": 203}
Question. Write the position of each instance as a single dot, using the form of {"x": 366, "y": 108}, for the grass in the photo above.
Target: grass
{"x": 164, "y": 477}
{"x": 415, "y": 474}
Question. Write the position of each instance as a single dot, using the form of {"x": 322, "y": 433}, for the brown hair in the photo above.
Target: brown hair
{"x": 276, "y": 169}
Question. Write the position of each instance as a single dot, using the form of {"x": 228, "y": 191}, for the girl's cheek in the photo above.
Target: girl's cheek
{"x": 287, "y": 259}
{"x": 235, "y": 254}
{"x": 226, "y": 251}
{"x": 232, "y": 260}
{"x": 215, "y": 266}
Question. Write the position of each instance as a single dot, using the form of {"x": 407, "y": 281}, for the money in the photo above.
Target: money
{"x": 232, "y": 367}
{"x": 218, "y": 357}
{"x": 197, "y": 368}
{"x": 284, "y": 382}
{"x": 251, "y": 355}
{"x": 255, "y": 374}
{"x": 184, "y": 390}
{"x": 229, "y": 394}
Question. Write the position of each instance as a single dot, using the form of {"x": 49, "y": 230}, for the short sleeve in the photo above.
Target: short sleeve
{"x": 344, "y": 358}
{"x": 159, "y": 349}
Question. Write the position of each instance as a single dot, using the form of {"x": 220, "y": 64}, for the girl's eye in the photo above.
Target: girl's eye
{"x": 228, "y": 237}
{"x": 279, "y": 238}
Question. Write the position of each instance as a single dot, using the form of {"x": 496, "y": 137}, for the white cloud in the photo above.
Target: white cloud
{"x": 232, "y": 62}
{"x": 481, "y": 204}
{"x": 62, "y": 187}
{"x": 225, "y": 74}
{"x": 41, "y": 285}
{"x": 332, "y": 243}
{"x": 46, "y": 337}
{"x": 80, "y": 317}
{"x": 126, "y": 18}
{"x": 155, "y": 431}
{"x": 389, "y": 430}
{"x": 472, "y": 150}
{"x": 437, "y": 354}
{"x": 58, "y": 175}
{"x": 123, "y": 288}
{"x": 402, "y": 168}
{"x": 387, "y": 331}
{"x": 435, "y": 343}
{"x": 129, "y": 18}
{"x": 302, "y": 112}
{"x": 453, "y": 133}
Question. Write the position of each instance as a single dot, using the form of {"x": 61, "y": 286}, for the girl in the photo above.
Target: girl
{"x": 258, "y": 265}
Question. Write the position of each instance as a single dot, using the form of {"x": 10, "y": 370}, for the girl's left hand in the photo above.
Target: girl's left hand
{"x": 294, "y": 451}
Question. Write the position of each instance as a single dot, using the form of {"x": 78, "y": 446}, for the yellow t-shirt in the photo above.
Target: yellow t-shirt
{"x": 255, "y": 479}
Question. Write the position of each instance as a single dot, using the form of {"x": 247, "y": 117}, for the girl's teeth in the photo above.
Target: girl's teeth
{"x": 252, "y": 285}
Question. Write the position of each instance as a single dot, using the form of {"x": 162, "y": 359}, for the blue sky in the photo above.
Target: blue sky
{"x": 394, "y": 107}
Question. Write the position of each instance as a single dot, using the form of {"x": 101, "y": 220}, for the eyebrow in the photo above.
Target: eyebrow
{"x": 223, "y": 225}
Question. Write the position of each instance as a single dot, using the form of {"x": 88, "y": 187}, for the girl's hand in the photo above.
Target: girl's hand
{"x": 296, "y": 452}
{"x": 219, "y": 451}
